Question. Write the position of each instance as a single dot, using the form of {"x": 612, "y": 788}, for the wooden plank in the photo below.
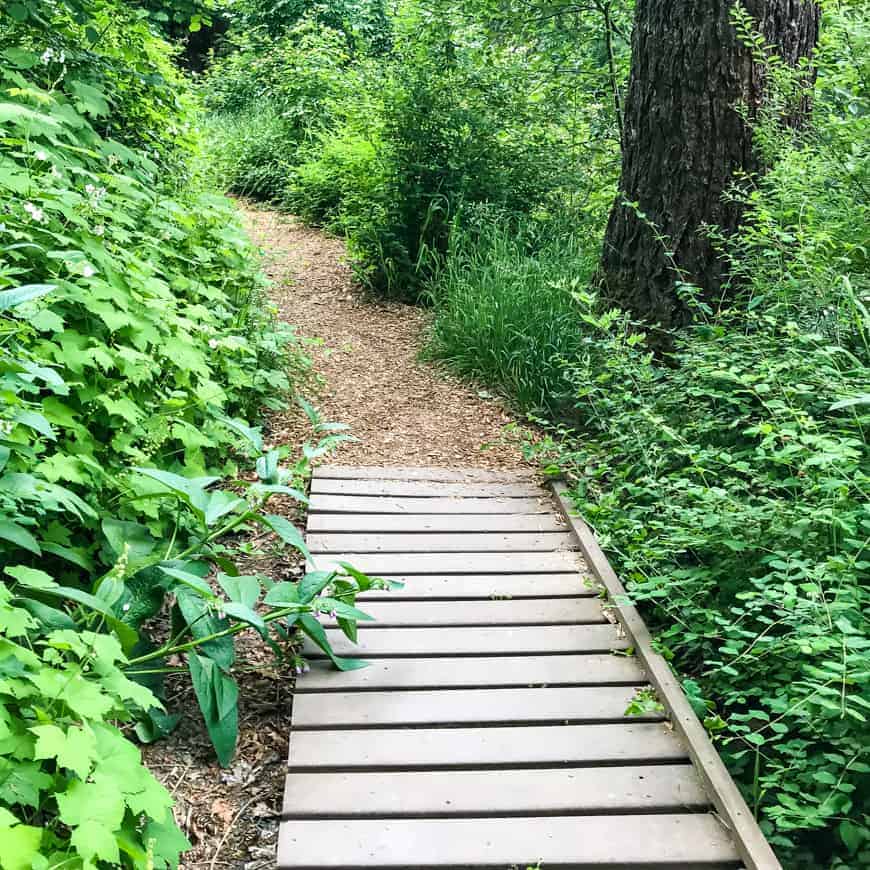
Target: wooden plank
{"x": 372, "y": 504}
{"x": 536, "y": 611}
{"x": 462, "y": 523}
{"x": 534, "y": 745}
{"x": 464, "y": 707}
{"x": 453, "y": 563}
{"x": 434, "y": 793}
{"x": 471, "y": 586}
{"x": 469, "y": 672}
{"x": 751, "y": 843}
{"x": 463, "y": 641}
{"x": 488, "y": 542}
{"x": 691, "y": 841}
{"x": 406, "y": 472}
{"x": 424, "y": 489}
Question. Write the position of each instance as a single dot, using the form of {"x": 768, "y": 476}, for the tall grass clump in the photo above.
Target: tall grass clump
{"x": 507, "y": 311}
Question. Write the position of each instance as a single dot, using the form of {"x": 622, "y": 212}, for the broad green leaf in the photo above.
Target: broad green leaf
{"x": 75, "y": 749}
{"x": 32, "y": 577}
{"x": 19, "y": 846}
{"x": 17, "y": 295}
{"x": 315, "y": 631}
{"x": 203, "y": 622}
{"x": 218, "y": 698}
{"x": 196, "y": 583}
{"x": 283, "y": 594}
{"x": 244, "y": 589}
{"x": 19, "y": 536}
{"x": 313, "y": 583}
{"x": 286, "y": 531}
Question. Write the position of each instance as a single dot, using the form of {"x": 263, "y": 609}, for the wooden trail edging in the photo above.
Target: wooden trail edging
{"x": 490, "y": 729}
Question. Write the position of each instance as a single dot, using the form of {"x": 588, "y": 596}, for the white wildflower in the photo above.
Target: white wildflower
{"x": 90, "y": 190}
{"x": 99, "y": 230}
{"x": 35, "y": 212}
{"x": 89, "y": 271}
{"x": 212, "y": 343}
{"x": 41, "y": 155}
{"x": 61, "y": 57}
{"x": 47, "y": 55}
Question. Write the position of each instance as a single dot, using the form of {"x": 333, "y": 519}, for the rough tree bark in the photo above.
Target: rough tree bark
{"x": 684, "y": 140}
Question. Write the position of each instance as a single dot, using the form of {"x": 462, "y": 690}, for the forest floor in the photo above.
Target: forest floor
{"x": 403, "y": 411}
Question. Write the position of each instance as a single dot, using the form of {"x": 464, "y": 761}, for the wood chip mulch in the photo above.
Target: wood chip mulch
{"x": 403, "y": 411}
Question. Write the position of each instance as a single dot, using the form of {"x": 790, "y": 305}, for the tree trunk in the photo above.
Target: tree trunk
{"x": 684, "y": 141}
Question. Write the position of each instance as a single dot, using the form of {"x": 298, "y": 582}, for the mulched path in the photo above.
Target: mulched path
{"x": 403, "y": 411}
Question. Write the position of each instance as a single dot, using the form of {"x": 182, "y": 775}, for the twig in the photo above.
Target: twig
{"x": 223, "y": 839}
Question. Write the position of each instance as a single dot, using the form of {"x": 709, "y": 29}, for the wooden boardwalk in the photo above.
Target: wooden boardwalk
{"x": 489, "y": 730}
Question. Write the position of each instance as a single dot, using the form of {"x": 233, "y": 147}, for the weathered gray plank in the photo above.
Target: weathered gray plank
{"x": 425, "y": 489}
{"x": 373, "y": 504}
{"x": 462, "y": 523}
{"x": 487, "y": 542}
{"x": 421, "y": 748}
{"x": 537, "y": 611}
{"x": 554, "y": 791}
{"x": 469, "y": 672}
{"x": 406, "y": 472}
{"x": 454, "y": 563}
{"x": 463, "y": 707}
{"x": 463, "y": 641}
{"x": 470, "y": 586}
{"x": 693, "y": 841}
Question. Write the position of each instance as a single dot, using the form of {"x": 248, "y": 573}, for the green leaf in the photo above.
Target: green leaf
{"x": 244, "y": 614}
{"x": 191, "y": 580}
{"x": 315, "y": 631}
{"x": 244, "y": 589}
{"x": 139, "y": 542}
{"x": 286, "y": 531}
{"x": 21, "y": 782}
{"x": 31, "y": 577}
{"x": 36, "y": 421}
{"x": 24, "y": 293}
{"x": 76, "y": 749}
{"x": 218, "y": 698}
{"x": 313, "y": 583}
{"x": 284, "y": 594}
{"x": 19, "y": 536}
{"x": 19, "y": 846}
{"x": 203, "y": 622}
{"x": 192, "y": 491}
{"x": 168, "y": 842}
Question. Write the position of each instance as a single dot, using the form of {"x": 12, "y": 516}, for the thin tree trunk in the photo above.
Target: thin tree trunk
{"x": 684, "y": 143}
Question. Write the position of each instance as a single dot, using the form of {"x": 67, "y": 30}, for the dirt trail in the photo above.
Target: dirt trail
{"x": 404, "y": 411}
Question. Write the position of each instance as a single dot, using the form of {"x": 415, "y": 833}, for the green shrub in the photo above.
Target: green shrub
{"x": 135, "y": 345}
{"x": 251, "y": 152}
{"x": 335, "y": 184}
{"x": 506, "y": 308}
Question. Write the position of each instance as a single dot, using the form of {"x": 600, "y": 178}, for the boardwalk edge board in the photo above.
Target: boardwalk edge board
{"x": 754, "y": 849}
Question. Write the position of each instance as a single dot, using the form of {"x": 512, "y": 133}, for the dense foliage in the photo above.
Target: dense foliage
{"x": 470, "y": 157}
{"x": 136, "y": 347}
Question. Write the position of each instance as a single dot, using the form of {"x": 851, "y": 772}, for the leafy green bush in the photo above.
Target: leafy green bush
{"x": 136, "y": 344}
{"x": 337, "y": 183}
{"x": 251, "y": 152}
